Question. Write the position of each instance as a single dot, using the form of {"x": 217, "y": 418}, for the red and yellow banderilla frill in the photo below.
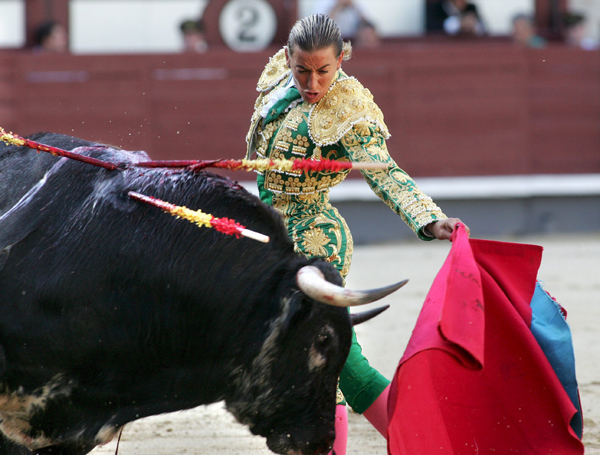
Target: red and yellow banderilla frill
{"x": 10, "y": 138}
{"x": 201, "y": 219}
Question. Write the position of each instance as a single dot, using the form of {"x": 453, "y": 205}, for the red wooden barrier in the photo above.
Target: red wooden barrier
{"x": 469, "y": 108}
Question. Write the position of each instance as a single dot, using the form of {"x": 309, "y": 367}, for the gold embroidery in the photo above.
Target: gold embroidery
{"x": 375, "y": 151}
{"x": 346, "y": 104}
{"x": 334, "y": 258}
{"x": 282, "y": 145}
{"x": 274, "y": 72}
{"x": 306, "y": 215}
{"x": 394, "y": 187}
{"x": 310, "y": 198}
{"x": 297, "y": 150}
{"x": 314, "y": 241}
{"x": 339, "y": 396}
{"x": 263, "y": 137}
{"x": 294, "y": 119}
{"x": 295, "y": 186}
{"x": 349, "y": 248}
{"x": 256, "y": 123}
{"x": 345, "y": 125}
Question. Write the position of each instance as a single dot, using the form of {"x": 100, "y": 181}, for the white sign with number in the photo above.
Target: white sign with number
{"x": 247, "y": 25}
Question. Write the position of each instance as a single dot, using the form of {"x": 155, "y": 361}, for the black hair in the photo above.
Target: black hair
{"x": 316, "y": 32}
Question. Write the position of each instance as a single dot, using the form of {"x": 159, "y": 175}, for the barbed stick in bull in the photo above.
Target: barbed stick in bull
{"x": 10, "y": 138}
{"x": 304, "y": 164}
{"x": 201, "y": 219}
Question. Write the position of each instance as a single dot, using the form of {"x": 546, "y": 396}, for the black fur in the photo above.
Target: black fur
{"x": 130, "y": 312}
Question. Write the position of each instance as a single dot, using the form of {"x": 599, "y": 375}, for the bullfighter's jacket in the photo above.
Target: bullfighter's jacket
{"x": 345, "y": 125}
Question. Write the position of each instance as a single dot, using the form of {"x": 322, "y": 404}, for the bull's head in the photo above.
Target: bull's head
{"x": 288, "y": 392}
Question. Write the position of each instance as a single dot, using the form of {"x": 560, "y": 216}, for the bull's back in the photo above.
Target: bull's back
{"x": 80, "y": 249}
{"x": 102, "y": 296}
{"x": 21, "y": 168}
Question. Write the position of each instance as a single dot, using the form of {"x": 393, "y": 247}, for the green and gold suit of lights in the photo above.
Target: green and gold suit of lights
{"x": 344, "y": 125}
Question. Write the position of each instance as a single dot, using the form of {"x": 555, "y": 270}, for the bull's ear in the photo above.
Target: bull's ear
{"x": 292, "y": 313}
{"x": 364, "y": 316}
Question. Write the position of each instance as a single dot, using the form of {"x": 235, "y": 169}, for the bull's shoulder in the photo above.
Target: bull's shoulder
{"x": 20, "y": 169}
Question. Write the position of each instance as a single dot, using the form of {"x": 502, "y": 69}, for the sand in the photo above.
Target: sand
{"x": 569, "y": 270}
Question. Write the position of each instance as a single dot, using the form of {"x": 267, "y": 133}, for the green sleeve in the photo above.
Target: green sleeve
{"x": 364, "y": 142}
{"x": 360, "y": 383}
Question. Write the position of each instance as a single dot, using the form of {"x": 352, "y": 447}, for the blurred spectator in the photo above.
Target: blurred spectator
{"x": 575, "y": 32}
{"x": 193, "y": 36}
{"x": 346, "y": 13}
{"x": 453, "y": 17}
{"x": 366, "y": 35}
{"x": 51, "y": 36}
{"x": 524, "y": 33}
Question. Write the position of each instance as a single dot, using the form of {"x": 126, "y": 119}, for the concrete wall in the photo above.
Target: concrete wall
{"x": 374, "y": 222}
{"x": 12, "y": 23}
{"x": 490, "y": 206}
{"x": 591, "y": 9}
{"x": 109, "y": 26}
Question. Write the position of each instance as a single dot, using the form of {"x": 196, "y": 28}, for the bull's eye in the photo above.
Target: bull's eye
{"x": 323, "y": 341}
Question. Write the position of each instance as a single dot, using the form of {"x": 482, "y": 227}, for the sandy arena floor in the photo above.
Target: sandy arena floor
{"x": 569, "y": 270}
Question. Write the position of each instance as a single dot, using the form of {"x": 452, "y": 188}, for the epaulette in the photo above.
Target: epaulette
{"x": 274, "y": 72}
{"x": 346, "y": 103}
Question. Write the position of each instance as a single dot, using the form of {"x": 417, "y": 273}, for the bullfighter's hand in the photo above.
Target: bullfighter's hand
{"x": 442, "y": 230}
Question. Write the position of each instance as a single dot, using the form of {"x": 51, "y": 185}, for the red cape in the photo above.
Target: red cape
{"x": 473, "y": 379}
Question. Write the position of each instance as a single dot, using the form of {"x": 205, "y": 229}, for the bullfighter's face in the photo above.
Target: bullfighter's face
{"x": 314, "y": 71}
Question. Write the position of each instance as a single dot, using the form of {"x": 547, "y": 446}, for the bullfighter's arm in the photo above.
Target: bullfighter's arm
{"x": 364, "y": 142}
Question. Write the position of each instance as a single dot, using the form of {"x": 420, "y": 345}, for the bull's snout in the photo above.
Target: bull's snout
{"x": 289, "y": 444}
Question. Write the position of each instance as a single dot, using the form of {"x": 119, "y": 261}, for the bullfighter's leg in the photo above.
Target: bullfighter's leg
{"x": 377, "y": 414}
{"x": 341, "y": 430}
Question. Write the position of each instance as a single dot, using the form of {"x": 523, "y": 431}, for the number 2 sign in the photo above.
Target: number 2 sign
{"x": 247, "y": 25}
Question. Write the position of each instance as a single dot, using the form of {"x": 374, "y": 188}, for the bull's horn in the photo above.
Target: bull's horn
{"x": 311, "y": 281}
{"x": 364, "y": 316}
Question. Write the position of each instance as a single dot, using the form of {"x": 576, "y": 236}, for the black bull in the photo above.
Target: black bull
{"x": 111, "y": 310}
